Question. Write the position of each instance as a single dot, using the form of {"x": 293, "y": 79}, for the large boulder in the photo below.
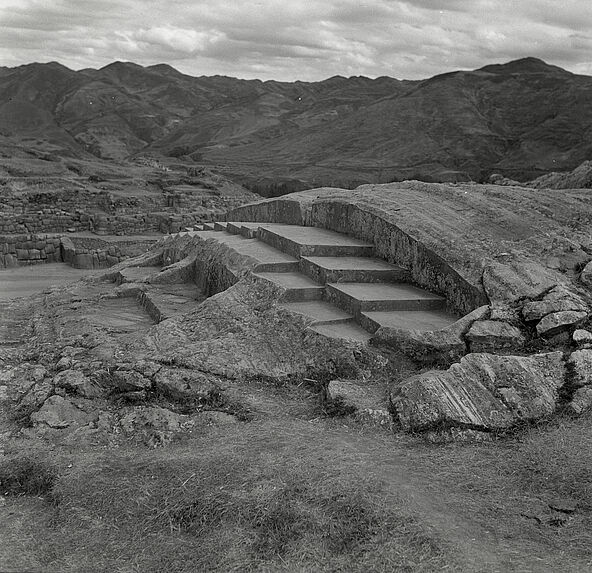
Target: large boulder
{"x": 482, "y": 391}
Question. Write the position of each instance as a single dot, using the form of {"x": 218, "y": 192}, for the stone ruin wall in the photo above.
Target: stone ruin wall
{"x": 105, "y": 214}
{"x": 79, "y": 252}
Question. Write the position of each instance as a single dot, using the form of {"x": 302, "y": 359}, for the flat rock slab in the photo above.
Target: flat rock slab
{"x": 384, "y": 296}
{"x": 313, "y": 235}
{"x": 318, "y": 310}
{"x": 416, "y": 320}
{"x": 344, "y": 330}
{"x": 482, "y": 391}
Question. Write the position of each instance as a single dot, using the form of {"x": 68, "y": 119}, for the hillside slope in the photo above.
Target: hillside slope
{"x": 522, "y": 119}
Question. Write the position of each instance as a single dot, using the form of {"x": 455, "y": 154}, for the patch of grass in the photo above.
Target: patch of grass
{"x": 558, "y": 460}
{"x": 255, "y": 500}
{"x": 24, "y": 475}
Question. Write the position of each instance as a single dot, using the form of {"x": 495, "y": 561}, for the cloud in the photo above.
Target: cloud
{"x": 302, "y": 39}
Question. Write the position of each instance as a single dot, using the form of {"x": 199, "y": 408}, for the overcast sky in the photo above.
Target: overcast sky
{"x": 298, "y": 39}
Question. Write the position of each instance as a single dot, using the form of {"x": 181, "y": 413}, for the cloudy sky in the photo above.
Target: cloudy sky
{"x": 298, "y": 39}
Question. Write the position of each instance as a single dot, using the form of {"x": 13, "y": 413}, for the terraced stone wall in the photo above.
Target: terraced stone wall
{"x": 18, "y": 250}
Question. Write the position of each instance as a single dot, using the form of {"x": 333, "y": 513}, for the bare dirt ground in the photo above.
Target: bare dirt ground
{"x": 25, "y": 281}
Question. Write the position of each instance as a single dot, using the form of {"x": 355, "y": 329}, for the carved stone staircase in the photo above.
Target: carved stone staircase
{"x": 333, "y": 279}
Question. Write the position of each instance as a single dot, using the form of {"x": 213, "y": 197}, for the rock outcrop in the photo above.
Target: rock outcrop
{"x": 483, "y": 392}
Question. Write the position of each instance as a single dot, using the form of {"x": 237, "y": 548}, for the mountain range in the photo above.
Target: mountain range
{"x": 521, "y": 119}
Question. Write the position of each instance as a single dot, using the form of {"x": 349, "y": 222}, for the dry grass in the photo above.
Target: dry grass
{"x": 288, "y": 495}
{"x": 262, "y": 497}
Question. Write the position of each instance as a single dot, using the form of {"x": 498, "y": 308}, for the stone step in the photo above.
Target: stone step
{"x": 301, "y": 241}
{"x": 361, "y": 297}
{"x": 351, "y": 269}
{"x": 136, "y": 274}
{"x": 320, "y": 311}
{"x": 297, "y": 287}
{"x": 207, "y": 226}
{"x": 220, "y": 226}
{"x": 269, "y": 258}
{"x": 346, "y": 330}
{"x": 421, "y": 320}
{"x": 246, "y": 229}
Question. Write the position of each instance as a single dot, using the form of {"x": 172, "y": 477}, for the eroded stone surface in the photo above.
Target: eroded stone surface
{"x": 445, "y": 344}
{"x": 586, "y": 275}
{"x": 558, "y": 299}
{"x": 129, "y": 381}
{"x": 582, "y": 337}
{"x": 491, "y": 335}
{"x": 184, "y": 384}
{"x": 75, "y": 381}
{"x": 558, "y": 322}
{"x": 581, "y": 401}
{"x": 482, "y": 391}
{"x": 580, "y": 363}
{"x": 58, "y": 412}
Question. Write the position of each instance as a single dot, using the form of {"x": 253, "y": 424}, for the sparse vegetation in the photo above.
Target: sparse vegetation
{"x": 27, "y": 474}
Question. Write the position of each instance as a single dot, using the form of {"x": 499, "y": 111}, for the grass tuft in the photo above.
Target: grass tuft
{"x": 21, "y": 475}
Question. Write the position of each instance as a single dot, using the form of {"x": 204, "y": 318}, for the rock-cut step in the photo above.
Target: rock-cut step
{"x": 419, "y": 320}
{"x": 296, "y": 286}
{"x": 351, "y": 269}
{"x": 319, "y": 311}
{"x": 344, "y": 330}
{"x": 301, "y": 241}
{"x": 360, "y": 297}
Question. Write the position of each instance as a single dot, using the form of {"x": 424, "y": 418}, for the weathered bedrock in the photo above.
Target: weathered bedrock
{"x": 474, "y": 243}
{"x": 509, "y": 259}
{"x": 482, "y": 391}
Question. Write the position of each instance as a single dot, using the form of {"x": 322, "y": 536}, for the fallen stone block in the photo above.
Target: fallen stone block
{"x": 558, "y": 322}
{"x": 482, "y": 391}
{"x": 491, "y": 335}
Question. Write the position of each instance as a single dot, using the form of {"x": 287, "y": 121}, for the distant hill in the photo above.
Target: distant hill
{"x": 521, "y": 119}
{"x": 579, "y": 178}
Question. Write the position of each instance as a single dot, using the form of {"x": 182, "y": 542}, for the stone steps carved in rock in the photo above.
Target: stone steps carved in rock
{"x": 335, "y": 280}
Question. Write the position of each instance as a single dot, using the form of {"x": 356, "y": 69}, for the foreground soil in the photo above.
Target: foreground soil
{"x": 285, "y": 487}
